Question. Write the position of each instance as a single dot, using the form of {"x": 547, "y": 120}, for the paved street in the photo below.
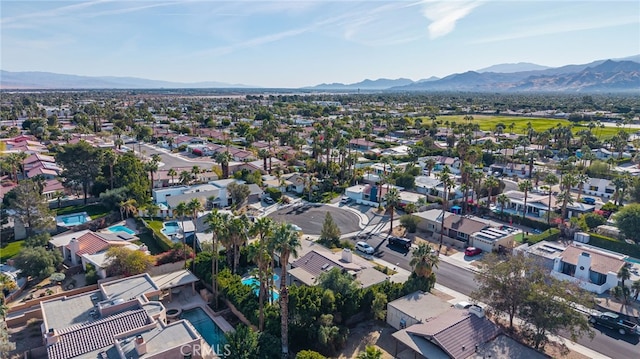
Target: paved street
{"x": 310, "y": 218}
{"x": 606, "y": 341}
{"x": 172, "y": 160}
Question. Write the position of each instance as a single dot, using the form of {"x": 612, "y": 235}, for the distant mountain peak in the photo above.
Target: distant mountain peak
{"x": 513, "y": 67}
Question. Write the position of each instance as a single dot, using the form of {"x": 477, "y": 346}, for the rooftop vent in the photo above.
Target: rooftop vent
{"x": 141, "y": 345}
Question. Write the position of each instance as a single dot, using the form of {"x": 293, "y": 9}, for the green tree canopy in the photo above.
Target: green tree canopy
{"x": 330, "y": 233}
{"x": 38, "y": 240}
{"x": 242, "y": 343}
{"x": 37, "y": 262}
{"x": 628, "y": 221}
{"x": 130, "y": 172}
{"x": 238, "y": 193}
{"x": 31, "y": 208}
{"x": 127, "y": 262}
{"x": 82, "y": 164}
{"x": 309, "y": 354}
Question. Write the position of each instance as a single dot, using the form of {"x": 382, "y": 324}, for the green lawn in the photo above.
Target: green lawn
{"x": 93, "y": 210}
{"x": 488, "y": 123}
{"x": 10, "y": 250}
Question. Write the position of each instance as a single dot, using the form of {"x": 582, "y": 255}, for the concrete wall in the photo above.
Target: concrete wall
{"x": 166, "y": 268}
{"x": 394, "y": 316}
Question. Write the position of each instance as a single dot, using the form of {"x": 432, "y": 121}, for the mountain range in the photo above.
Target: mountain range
{"x": 620, "y": 75}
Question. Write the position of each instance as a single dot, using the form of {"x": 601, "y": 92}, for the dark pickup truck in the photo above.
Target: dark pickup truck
{"x": 613, "y": 321}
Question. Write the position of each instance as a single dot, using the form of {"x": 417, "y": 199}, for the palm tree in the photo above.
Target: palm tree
{"x": 259, "y": 254}
{"x": 238, "y": 230}
{"x": 370, "y": 352}
{"x": 193, "y": 207}
{"x": 581, "y": 178}
{"x": 447, "y": 183}
{"x": 491, "y": 183}
{"x": 392, "y": 199}
{"x": 636, "y": 287}
{"x": 185, "y": 177}
{"x": 423, "y": 260}
{"x": 286, "y": 242}
{"x": 525, "y": 186}
{"x": 503, "y": 200}
{"x": 127, "y": 207}
{"x": 110, "y": 159}
{"x": 551, "y": 180}
{"x": 624, "y": 274}
{"x": 195, "y": 171}
{"x": 181, "y": 211}
{"x": 429, "y": 165}
{"x": 172, "y": 173}
{"x": 217, "y": 224}
{"x": 620, "y": 183}
{"x": 264, "y": 155}
{"x": 567, "y": 199}
{"x": 151, "y": 167}
{"x": 223, "y": 158}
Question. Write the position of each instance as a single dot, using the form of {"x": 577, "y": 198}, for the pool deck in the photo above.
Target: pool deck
{"x": 185, "y": 301}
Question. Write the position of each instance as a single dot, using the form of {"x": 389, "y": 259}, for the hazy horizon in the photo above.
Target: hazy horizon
{"x": 291, "y": 44}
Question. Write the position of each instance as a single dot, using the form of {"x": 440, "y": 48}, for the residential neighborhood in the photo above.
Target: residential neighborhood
{"x": 167, "y": 226}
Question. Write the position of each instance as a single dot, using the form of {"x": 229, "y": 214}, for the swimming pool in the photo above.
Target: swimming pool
{"x": 207, "y": 328}
{"x": 75, "y": 219}
{"x": 632, "y": 260}
{"x": 171, "y": 228}
{"x": 115, "y": 229}
{"x": 255, "y": 284}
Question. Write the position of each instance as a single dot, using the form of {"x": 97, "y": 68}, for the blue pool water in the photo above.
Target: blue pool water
{"x": 207, "y": 328}
{"x": 632, "y": 260}
{"x": 75, "y": 219}
{"x": 115, "y": 229}
{"x": 253, "y": 282}
{"x": 171, "y": 228}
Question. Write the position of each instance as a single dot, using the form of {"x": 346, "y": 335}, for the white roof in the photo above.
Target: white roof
{"x": 63, "y": 239}
{"x": 434, "y": 215}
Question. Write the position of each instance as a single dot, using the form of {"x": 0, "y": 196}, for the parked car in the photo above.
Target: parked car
{"x": 613, "y": 321}
{"x": 268, "y": 200}
{"x": 588, "y": 200}
{"x": 364, "y": 247}
{"x": 463, "y": 305}
{"x": 472, "y": 251}
{"x": 345, "y": 200}
{"x": 400, "y": 242}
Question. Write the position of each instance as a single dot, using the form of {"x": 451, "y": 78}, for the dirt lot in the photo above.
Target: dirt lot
{"x": 369, "y": 333}
{"x": 25, "y": 337}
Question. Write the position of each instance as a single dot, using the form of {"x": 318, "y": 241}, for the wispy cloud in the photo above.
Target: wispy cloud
{"x": 50, "y": 13}
{"x": 444, "y": 15}
{"x": 126, "y": 10}
{"x": 562, "y": 27}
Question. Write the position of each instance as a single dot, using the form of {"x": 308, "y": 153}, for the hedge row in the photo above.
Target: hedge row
{"x": 160, "y": 239}
{"x": 551, "y": 234}
{"x": 632, "y": 250}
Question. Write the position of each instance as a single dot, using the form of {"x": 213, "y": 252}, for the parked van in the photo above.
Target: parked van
{"x": 400, "y": 242}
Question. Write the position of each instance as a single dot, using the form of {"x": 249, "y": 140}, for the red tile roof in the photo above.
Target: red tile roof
{"x": 91, "y": 243}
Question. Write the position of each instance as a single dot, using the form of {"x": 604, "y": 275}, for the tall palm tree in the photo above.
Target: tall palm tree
{"x": 223, "y": 158}
{"x": 195, "y": 171}
{"x": 491, "y": 183}
{"x": 238, "y": 230}
{"x": 566, "y": 198}
{"x": 550, "y": 180}
{"x": 392, "y": 199}
{"x": 193, "y": 207}
{"x": 172, "y": 173}
{"x": 217, "y": 224}
{"x": 264, "y": 155}
{"x": 624, "y": 274}
{"x": 259, "y": 253}
{"x": 423, "y": 260}
{"x": 447, "y": 183}
{"x": 181, "y": 211}
{"x": 581, "y": 178}
{"x": 110, "y": 159}
{"x": 636, "y": 287}
{"x": 525, "y": 186}
{"x": 429, "y": 165}
{"x": 152, "y": 167}
{"x": 286, "y": 242}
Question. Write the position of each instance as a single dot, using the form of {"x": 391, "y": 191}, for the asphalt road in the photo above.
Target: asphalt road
{"x": 172, "y": 160}
{"x": 606, "y": 341}
{"x": 310, "y": 218}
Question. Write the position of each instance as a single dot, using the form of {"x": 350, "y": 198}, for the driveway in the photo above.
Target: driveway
{"x": 173, "y": 160}
{"x": 310, "y": 218}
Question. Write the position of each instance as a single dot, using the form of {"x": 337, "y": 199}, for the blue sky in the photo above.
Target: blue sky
{"x": 302, "y": 43}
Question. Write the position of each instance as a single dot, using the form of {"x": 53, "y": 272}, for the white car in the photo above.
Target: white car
{"x": 364, "y": 248}
{"x": 345, "y": 200}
